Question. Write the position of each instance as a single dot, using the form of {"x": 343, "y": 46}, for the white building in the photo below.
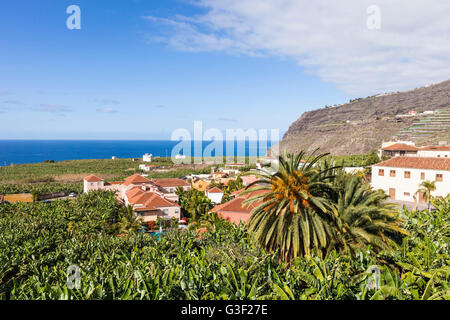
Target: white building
{"x": 400, "y": 177}
{"x": 146, "y": 168}
{"x": 408, "y": 149}
{"x": 214, "y": 194}
{"x": 147, "y": 157}
{"x": 434, "y": 151}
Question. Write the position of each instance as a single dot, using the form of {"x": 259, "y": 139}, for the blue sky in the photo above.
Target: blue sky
{"x": 140, "y": 69}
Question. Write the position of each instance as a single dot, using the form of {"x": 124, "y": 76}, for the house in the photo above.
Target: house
{"x": 199, "y": 184}
{"x": 235, "y": 210}
{"x": 232, "y": 169}
{"x": 398, "y": 149}
{"x": 92, "y": 182}
{"x": 147, "y": 157}
{"x": 408, "y": 149}
{"x": 400, "y": 177}
{"x": 412, "y": 113}
{"x": 169, "y": 187}
{"x": 149, "y": 205}
{"x": 218, "y": 175}
{"x": 434, "y": 151}
{"x": 146, "y": 168}
{"x": 246, "y": 180}
{"x": 214, "y": 194}
{"x": 150, "y": 198}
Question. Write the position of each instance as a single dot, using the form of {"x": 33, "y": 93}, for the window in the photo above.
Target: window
{"x": 407, "y": 174}
{"x": 165, "y": 211}
{"x": 439, "y": 177}
{"x": 422, "y": 176}
{"x": 406, "y": 194}
{"x": 392, "y": 173}
{"x": 381, "y": 172}
{"x": 92, "y": 184}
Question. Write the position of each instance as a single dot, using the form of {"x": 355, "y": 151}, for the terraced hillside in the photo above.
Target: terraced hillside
{"x": 363, "y": 124}
{"x": 429, "y": 130}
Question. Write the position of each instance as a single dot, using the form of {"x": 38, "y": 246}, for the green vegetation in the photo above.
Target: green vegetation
{"x": 312, "y": 206}
{"x": 194, "y": 204}
{"x": 40, "y": 241}
{"x": 356, "y": 160}
{"x": 316, "y": 234}
{"x": 37, "y": 171}
{"x": 41, "y": 188}
{"x": 426, "y": 188}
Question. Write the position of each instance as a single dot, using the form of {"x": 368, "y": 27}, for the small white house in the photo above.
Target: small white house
{"x": 147, "y": 157}
{"x": 400, "y": 177}
{"x": 92, "y": 182}
{"x": 214, "y": 194}
{"x": 434, "y": 151}
{"x": 146, "y": 168}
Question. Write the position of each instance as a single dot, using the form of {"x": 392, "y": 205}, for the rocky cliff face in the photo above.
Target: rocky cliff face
{"x": 361, "y": 125}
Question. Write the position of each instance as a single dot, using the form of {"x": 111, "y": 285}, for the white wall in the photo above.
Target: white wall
{"x": 89, "y": 186}
{"x": 215, "y": 197}
{"x": 434, "y": 153}
{"x": 402, "y": 184}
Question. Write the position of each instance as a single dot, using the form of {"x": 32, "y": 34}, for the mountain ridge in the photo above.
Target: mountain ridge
{"x": 364, "y": 123}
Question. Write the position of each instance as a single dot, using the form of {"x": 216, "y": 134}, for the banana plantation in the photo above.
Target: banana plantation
{"x": 90, "y": 248}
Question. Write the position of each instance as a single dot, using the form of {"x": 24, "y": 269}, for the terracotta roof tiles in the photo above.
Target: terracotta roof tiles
{"x": 417, "y": 163}
{"x": 92, "y": 178}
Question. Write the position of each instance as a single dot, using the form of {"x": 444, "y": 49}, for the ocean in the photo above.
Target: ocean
{"x": 33, "y": 151}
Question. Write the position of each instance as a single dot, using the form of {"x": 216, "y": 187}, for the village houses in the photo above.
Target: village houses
{"x": 150, "y": 199}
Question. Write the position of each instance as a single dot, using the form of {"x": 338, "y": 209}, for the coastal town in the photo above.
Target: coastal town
{"x": 400, "y": 173}
{"x": 229, "y": 152}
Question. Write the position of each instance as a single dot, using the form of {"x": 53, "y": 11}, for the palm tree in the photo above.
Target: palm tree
{"x": 195, "y": 204}
{"x": 292, "y": 213}
{"x": 127, "y": 221}
{"x": 364, "y": 216}
{"x": 426, "y": 188}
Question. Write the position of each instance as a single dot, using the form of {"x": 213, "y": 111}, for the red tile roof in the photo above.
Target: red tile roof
{"x": 153, "y": 201}
{"x": 215, "y": 190}
{"x": 92, "y": 178}
{"x": 435, "y": 148}
{"x": 401, "y": 147}
{"x": 133, "y": 192}
{"x": 114, "y": 182}
{"x": 417, "y": 163}
{"x": 171, "y": 182}
{"x": 136, "y": 179}
{"x": 236, "y": 205}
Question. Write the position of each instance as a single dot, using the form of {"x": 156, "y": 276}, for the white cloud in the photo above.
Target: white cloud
{"x": 329, "y": 38}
